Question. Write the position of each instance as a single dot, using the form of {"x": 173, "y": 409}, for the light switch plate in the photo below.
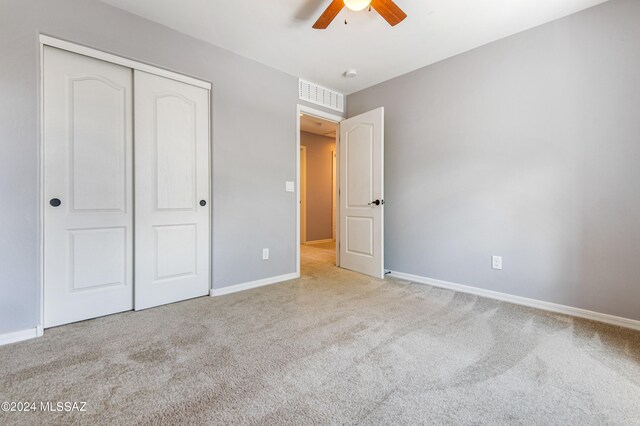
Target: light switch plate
{"x": 289, "y": 186}
{"x": 496, "y": 262}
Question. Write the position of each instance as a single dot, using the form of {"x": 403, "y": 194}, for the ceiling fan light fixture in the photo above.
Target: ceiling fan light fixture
{"x": 388, "y": 9}
{"x": 357, "y": 5}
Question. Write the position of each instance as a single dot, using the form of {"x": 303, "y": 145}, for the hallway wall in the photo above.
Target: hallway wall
{"x": 319, "y": 181}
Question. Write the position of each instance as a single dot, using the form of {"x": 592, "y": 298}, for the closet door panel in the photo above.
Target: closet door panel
{"x": 176, "y": 148}
{"x": 172, "y": 191}
{"x": 88, "y": 206}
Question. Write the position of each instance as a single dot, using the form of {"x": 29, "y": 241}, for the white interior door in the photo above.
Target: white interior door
{"x": 362, "y": 193}
{"x": 88, "y": 209}
{"x": 172, "y": 249}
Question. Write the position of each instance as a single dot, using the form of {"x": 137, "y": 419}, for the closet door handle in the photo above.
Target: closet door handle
{"x": 203, "y": 203}
{"x": 55, "y": 202}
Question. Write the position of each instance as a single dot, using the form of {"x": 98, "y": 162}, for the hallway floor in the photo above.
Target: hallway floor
{"x": 331, "y": 347}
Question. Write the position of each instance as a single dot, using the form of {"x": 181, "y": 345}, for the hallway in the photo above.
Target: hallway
{"x": 317, "y": 256}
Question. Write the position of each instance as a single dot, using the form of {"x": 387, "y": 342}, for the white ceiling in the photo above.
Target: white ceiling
{"x": 278, "y": 33}
{"x": 318, "y": 126}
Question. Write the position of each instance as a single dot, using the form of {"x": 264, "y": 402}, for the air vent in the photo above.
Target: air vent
{"x": 319, "y": 95}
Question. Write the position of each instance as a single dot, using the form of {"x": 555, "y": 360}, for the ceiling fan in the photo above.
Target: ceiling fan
{"x": 386, "y": 8}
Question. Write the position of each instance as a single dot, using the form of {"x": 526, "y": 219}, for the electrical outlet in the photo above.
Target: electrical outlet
{"x": 265, "y": 254}
{"x": 496, "y": 262}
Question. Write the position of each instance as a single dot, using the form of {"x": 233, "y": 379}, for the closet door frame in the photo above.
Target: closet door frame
{"x": 45, "y": 40}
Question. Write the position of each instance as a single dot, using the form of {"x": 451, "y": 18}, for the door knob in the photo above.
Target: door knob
{"x": 203, "y": 203}
{"x": 377, "y": 202}
{"x": 55, "y": 202}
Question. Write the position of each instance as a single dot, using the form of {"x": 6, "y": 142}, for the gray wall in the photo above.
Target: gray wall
{"x": 319, "y": 185}
{"x": 529, "y": 148}
{"x": 251, "y": 210}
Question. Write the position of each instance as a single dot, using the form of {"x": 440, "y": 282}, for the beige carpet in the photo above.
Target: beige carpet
{"x": 331, "y": 347}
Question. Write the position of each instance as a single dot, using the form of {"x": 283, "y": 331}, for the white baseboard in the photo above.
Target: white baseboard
{"x": 524, "y": 301}
{"x": 19, "y": 336}
{"x": 253, "y": 284}
{"x": 311, "y": 243}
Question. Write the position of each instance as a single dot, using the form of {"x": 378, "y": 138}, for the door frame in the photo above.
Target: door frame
{"x": 307, "y": 110}
{"x": 46, "y": 40}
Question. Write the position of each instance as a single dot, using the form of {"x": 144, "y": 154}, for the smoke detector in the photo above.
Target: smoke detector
{"x": 351, "y": 73}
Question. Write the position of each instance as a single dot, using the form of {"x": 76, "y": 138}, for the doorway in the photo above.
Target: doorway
{"x": 318, "y": 139}
{"x": 358, "y": 179}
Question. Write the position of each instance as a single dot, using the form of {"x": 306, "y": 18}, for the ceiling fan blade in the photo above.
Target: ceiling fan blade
{"x": 389, "y": 11}
{"x": 329, "y": 14}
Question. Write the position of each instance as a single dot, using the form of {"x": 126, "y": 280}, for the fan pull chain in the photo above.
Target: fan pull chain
{"x": 347, "y": 13}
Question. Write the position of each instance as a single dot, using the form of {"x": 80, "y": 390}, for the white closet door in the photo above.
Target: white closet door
{"x": 172, "y": 191}
{"x": 88, "y": 207}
